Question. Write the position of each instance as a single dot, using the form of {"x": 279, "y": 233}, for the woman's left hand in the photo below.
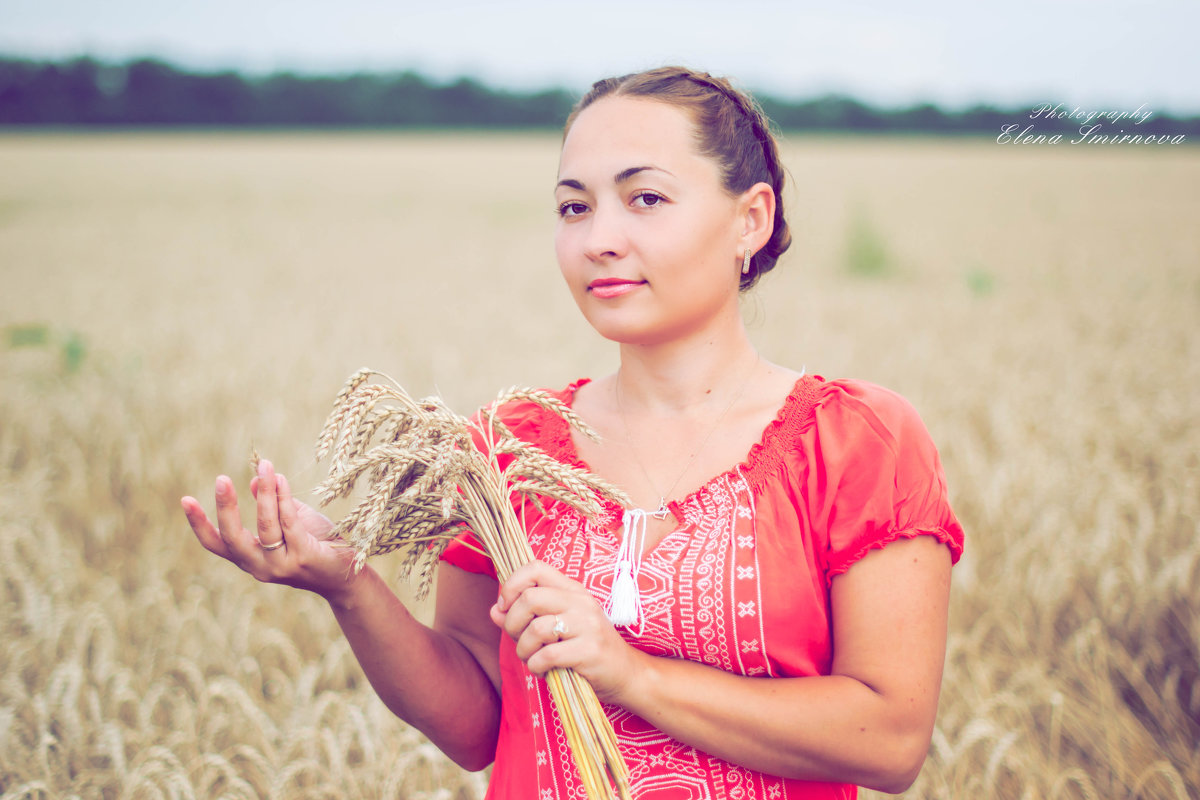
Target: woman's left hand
{"x": 556, "y": 622}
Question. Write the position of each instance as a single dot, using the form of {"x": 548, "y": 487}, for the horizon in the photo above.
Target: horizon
{"x": 1103, "y": 57}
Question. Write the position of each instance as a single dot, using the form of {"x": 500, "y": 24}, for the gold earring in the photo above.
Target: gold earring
{"x": 746, "y": 261}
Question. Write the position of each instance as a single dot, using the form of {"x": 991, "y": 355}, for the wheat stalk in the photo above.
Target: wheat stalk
{"x": 426, "y": 478}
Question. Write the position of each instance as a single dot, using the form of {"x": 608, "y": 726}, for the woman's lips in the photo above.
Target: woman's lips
{"x": 612, "y": 287}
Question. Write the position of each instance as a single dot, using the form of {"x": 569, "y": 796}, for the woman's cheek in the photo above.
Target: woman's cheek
{"x": 569, "y": 264}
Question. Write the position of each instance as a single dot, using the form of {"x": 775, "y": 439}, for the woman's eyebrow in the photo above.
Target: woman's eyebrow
{"x": 620, "y": 177}
{"x": 626, "y": 174}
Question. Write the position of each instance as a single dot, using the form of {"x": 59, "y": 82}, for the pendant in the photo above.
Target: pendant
{"x": 662, "y": 512}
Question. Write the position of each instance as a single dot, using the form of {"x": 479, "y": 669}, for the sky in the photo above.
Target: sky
{"x": 1092, "y": 54}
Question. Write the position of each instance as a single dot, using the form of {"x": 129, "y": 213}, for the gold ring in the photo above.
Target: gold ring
{"x": 560, "y": 627}
{"x": 273, "y": 546}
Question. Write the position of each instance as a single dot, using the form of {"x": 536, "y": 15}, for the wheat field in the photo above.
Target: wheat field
{"x": 171, "y": 302}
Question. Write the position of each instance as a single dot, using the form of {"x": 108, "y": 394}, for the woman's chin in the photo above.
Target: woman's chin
{"x": 633, "y": 333}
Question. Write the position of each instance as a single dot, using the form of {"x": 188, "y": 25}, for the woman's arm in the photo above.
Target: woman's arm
{"x": 441, "y": 680}
{"x": 444, "y": 680}
{"x": 867, "y": 723}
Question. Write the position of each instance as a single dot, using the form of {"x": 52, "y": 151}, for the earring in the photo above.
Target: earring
{"x": 746, "y": 261}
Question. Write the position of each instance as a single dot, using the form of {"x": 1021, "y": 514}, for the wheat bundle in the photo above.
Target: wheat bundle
{"x": 426, "y": 476}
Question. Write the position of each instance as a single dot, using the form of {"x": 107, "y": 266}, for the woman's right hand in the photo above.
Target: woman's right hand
{"x": 306, "y": 556}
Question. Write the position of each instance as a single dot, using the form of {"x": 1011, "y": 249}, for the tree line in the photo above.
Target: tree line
{"x": 85, "y": 92}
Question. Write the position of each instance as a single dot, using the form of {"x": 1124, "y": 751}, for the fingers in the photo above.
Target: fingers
{"x": 277, "y": 512}
{"x": 205, "y": 532}
{"x": 534, "y": 604}
{"x": 534, "y": 633}
{"x": 270, "y": 533}
{"x": 578, "y": 637}
{"x": 553, "y": 619}
{"x": 556, "y": 622}
{"x": 288, "y": 511}
{"x": 236, "y": 539}
{"x": 535, "y": 573}
{"x": 534, "y": 590}
{"x": 543, "y": 632}
{"x": 287, "y": 504}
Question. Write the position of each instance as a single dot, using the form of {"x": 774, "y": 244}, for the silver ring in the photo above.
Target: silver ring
{"x": 272, "y": 546}
{"x": 560, "y": 627}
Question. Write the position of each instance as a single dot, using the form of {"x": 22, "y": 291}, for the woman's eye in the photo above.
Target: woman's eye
{"x": 571, "y": 208}
{"x": 648, "y": 199}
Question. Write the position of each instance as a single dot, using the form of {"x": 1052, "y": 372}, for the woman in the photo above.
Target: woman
{"x": 818, "y": 556}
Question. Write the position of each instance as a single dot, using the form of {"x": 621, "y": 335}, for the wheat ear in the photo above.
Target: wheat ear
{"x": 425, "y": 478}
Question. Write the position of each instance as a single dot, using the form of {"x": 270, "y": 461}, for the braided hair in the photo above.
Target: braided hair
{"x": 733, "y": 131}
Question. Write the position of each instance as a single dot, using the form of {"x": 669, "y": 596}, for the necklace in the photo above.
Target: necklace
{"x": 624, "y": 604}
{"x": 662, "y": 511}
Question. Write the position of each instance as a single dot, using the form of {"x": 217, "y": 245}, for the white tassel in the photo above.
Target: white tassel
{"x": 624, "y": 606}
{"x": 625, "y": 602}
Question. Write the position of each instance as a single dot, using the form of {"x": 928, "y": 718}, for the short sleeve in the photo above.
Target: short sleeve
{"x": 466, "y": 553}
{"x": 880, "y": 475}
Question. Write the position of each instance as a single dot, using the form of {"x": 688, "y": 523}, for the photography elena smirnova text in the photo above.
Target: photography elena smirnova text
{"x": 1091, "y": 128}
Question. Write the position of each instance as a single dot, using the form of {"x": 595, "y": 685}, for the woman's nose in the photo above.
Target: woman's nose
{"x": 605, "y": 236}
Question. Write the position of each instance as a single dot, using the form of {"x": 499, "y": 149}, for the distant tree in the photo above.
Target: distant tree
{"x": 831, "y": 112}
{"x": 150, "y": 92}
{"x": 923, "y": 117}
{"x": 85, "y": 103}
{"x": 403, "y": 99}
{"x": 227, "y": 97}
{"x": 983, "y": 118}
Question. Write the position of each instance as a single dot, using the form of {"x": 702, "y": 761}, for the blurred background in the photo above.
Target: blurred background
{"x": 213, "y": 213}
{"x": 922, "y": 67}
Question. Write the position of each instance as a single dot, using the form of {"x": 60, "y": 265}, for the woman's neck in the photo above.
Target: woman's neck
{"x": 685, "y": 374}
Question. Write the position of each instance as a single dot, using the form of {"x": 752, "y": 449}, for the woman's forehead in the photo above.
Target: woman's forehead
{"x": 616, "y": 133}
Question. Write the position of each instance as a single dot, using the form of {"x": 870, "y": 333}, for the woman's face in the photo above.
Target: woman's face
{"x": 648, "y": 240}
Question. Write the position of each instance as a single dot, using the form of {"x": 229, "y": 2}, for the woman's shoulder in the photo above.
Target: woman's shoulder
{"x": 842, "y": 424}
{"x": 871, "y": 440}
{"x": 846, "y": 404}
{"x": 827, "y": 407}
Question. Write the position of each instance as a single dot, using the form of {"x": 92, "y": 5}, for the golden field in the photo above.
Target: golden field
{"x": 170, "y": 302}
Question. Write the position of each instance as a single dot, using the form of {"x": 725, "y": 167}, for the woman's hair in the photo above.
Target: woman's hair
{"x": 733, "y": 131}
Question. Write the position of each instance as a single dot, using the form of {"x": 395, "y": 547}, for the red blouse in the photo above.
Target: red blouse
{"x": 742, "y": 584}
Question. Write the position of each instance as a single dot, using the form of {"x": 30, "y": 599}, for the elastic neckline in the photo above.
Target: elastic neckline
{"x": 762, "y": 461}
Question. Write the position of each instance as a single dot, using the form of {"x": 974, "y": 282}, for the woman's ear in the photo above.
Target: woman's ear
{"x": 757, "y": 209}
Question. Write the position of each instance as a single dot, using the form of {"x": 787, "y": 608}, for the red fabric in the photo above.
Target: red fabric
{"x": 742, "y": 584}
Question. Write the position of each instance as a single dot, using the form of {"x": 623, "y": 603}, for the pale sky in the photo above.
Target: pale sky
{"x": 1099, "y": 55}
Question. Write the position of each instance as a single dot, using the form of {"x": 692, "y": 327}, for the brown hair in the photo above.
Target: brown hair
{"x": 732, "y": 130}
